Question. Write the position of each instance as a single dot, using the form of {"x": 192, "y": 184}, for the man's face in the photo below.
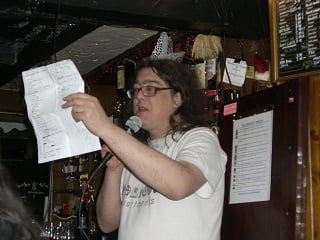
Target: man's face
{"x": 154, "y": 111}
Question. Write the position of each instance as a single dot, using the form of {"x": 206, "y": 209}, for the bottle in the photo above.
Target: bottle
{"x": 120, "y": 77}
{"x": 82, "y": 215}
{"x": 94, "y": 231}
{"x": 210, "y": 96}
{"x": 76, "y": 163}
{"x": 213, "y": 91}
{"x": 66, "y": 169}
{"x": 121, "y": 102}
{"x": 211, "y": 73}
{"x": 71, "y": 168}
{"x": 93, "y": 227}
{"x": 211, "y": 85}
{"x": 81, "y": 165}
{"x": 96, "y": 156}
{"x": 217, "y": 108}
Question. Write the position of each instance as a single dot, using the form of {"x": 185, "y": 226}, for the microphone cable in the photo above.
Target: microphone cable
{"x": 133, "y": 125}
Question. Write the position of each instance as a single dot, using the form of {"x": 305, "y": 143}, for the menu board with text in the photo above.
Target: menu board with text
{"x": 295, "y": 34}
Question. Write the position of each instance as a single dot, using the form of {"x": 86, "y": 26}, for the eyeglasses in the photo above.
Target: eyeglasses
{"x": 147, "y": 91}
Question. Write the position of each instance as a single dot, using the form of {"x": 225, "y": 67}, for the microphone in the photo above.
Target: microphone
{"x": 133, "y": 125}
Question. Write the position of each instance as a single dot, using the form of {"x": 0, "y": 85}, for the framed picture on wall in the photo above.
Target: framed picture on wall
{"x": 294, "y": 35}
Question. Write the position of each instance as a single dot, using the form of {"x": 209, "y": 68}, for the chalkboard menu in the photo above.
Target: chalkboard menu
{"x": 295, "y": 37}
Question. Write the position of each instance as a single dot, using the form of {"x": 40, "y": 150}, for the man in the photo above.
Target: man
{"x": 170, "y": 186}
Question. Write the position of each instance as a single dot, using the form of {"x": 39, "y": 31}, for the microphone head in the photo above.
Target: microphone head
{"x": 133, "y": 124}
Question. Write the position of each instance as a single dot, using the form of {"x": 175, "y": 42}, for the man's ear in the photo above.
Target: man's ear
{"x": 177, "y": 99}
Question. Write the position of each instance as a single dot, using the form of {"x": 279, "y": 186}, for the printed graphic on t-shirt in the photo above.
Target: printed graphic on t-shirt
{"x": 134, "y": 196}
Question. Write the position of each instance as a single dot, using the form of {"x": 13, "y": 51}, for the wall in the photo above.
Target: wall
{"x": 11, "y": 101}
{"x": 246, "y": 49}
{"x": 232, "y": 49}
{"x": 313, "y": 201}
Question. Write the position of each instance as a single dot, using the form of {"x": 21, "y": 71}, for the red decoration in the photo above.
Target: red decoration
{"x": 260, "y": 65}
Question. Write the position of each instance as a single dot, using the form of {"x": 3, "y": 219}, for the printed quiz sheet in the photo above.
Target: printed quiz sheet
{"x": 58, "y": 134}
{"x": 251, "y": 159}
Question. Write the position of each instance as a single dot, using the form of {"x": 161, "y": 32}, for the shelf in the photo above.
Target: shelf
{"x": 64, "y": 218}
{"x": 67, "y": 191}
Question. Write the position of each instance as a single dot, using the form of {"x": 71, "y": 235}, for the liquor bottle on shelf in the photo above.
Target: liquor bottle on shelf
{"x": 76, "y": 163}
{"x": 96, "y": 156}
{"x": 211, "y": 73}
{"x": 82, "y": 217}
{"x": 210, "y": 87}
{"x": 213, "y": 92}
{"x": 121, "y": 101}
{"x": 217, "y": 107}
{"x": 71, "y": 168}
{"x": 83, "y": 214}
{"x": 214, "y": 108}
{"x": 94, "y": 231}
{"x": 66, "y": 169}
{"x": 83, "y": 163}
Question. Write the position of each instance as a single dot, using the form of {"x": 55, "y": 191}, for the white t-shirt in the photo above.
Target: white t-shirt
{"x": 148, "y": 215}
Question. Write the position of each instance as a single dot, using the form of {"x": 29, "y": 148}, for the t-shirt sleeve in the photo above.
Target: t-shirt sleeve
{"x": 201, "y": 147}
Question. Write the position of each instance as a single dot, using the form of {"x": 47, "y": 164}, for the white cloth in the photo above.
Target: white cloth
{"x": 148, "y": 215}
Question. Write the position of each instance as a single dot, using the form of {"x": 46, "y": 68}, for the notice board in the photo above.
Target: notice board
{"x": 294, "y": 34}
{"x": 277, "y": 212}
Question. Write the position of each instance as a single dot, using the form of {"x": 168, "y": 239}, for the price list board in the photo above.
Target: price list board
{"x": 295, "y": 37}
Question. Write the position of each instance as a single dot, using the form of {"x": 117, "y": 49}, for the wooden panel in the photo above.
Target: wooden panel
{"x": 12, "y": 101}
{"x": 106, "y": 95}
{"x": 313, "y": 203}
{"x": 283, "y": 216}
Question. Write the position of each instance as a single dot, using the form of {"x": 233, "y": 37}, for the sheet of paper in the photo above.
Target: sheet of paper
{"x": 251, "y": 159}
{"x": 236, "y": 72}
{"x": 58, "y": 135}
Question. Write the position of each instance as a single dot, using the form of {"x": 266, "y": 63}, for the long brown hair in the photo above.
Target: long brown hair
{"x": 13, "y": 212}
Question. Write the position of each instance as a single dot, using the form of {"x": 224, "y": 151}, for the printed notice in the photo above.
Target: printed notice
{"x": 235, "y": 72}
{"x": 58, "y": 134}
{"x": 251, "y": 159}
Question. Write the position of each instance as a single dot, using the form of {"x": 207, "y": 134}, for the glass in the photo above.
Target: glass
{"x": 69, "y": 231}
{"x": 58, "y": 231}
{"x": 147, "y": 91}
{"x": 46, "y": 231}
{"x": 93, "y": 230}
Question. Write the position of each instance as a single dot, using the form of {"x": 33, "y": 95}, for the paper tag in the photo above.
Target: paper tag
{"x": 237, "y": 72}
{"x": 230, "y": 108}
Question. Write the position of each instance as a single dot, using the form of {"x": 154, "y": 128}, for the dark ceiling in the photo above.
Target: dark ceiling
{"x": 241, "y": 18}
{"x": 33, "y": 30}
